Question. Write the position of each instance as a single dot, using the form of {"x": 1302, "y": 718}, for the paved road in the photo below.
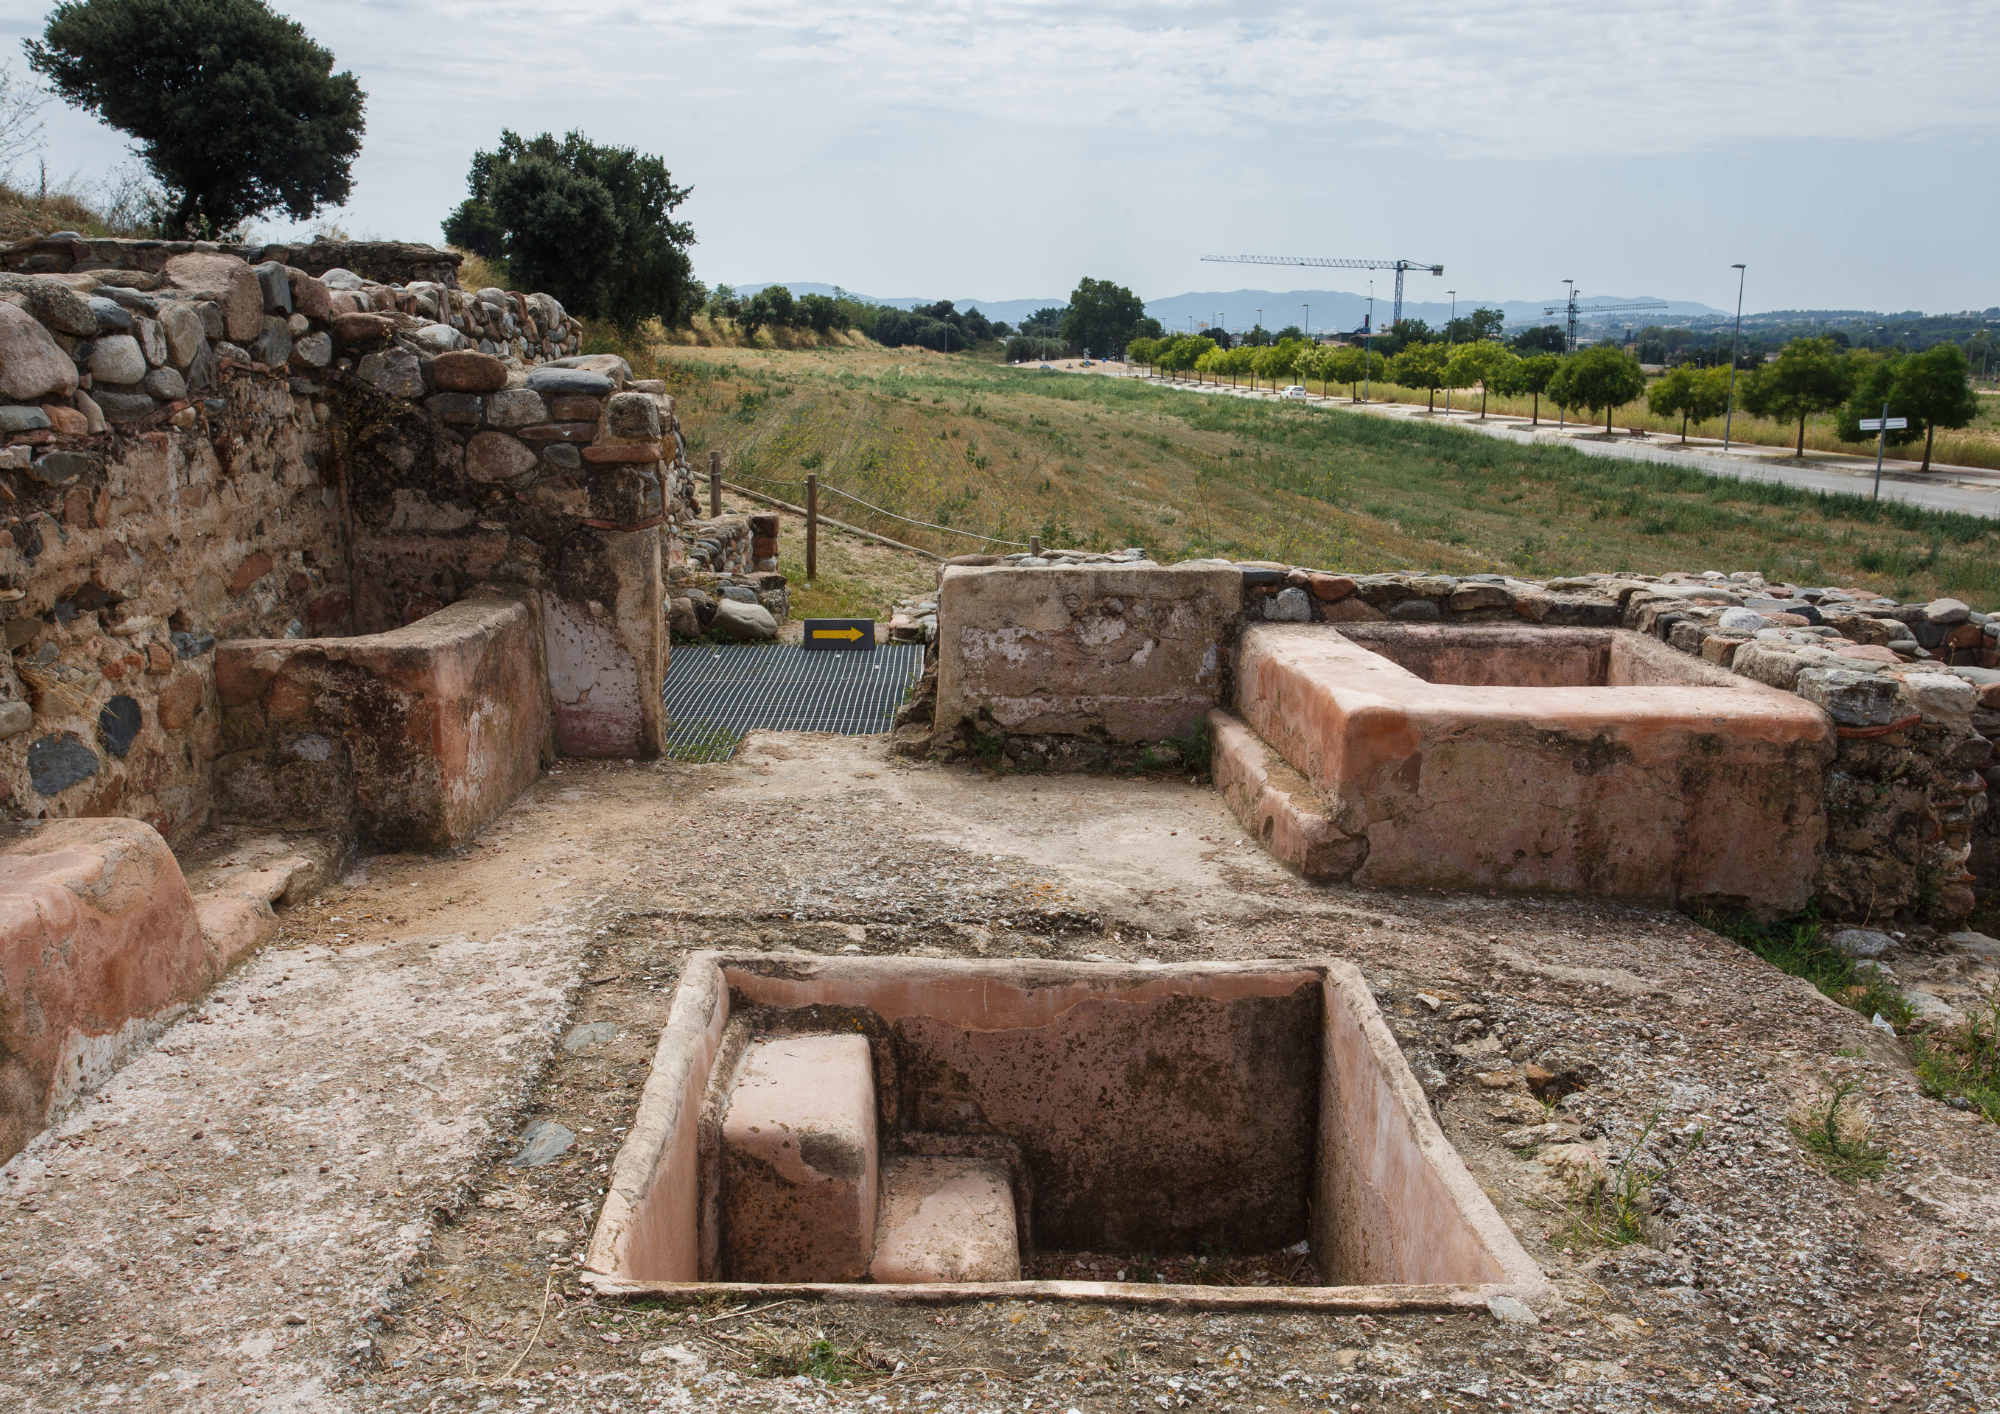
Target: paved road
{"x": 1973, "y": 490}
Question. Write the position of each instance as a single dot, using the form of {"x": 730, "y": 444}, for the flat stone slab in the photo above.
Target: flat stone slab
{"x": 946, "y": 1219}
{"x": 799, "y": 1161}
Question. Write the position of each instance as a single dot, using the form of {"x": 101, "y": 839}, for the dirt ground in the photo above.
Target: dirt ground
{"x": 300, "y": 1198}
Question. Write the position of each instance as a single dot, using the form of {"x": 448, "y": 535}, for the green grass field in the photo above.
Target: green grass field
{"x": 1098, "y": 462}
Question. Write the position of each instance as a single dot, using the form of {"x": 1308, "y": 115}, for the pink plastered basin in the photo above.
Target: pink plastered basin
{"x": 1133, "y": 1107}
{"x": 1593, "y": 761}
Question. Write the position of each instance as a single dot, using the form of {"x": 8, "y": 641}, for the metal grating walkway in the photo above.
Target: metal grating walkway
{"x": 717, "y": 692}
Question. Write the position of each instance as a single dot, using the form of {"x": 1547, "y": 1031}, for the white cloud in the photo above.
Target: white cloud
{"x": 1583, "y": 77}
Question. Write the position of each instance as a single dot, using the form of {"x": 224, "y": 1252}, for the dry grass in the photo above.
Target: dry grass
{"x": 705, "y": 333}
{"x": 72, "y": 206}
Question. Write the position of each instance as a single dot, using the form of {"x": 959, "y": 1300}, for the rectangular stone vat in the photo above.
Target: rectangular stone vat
{"x": 424, "y": 733}
{"x": 1103, "y": 1106}
{"x": 1573, "y": 760}
{"x": 1114, "y": 653}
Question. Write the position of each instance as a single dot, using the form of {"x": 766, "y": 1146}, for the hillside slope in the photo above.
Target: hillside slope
{"x": 1087, "y": 461}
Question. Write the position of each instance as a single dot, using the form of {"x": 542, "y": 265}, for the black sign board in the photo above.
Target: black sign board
{"x": 841, "y": 634}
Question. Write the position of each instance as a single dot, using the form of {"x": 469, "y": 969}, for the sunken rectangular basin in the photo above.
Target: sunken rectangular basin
{"x": 1151, "y": 1109}
{"x": 1593, "y": 761}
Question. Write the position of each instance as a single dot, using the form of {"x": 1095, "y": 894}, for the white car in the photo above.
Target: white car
{"x": 1295, "y": 391}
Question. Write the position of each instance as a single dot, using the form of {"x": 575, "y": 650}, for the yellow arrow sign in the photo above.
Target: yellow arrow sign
{"x": 848, "y": 633}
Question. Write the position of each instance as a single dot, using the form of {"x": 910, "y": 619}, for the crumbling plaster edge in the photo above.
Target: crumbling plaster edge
{"x": 1337, "y": 1299}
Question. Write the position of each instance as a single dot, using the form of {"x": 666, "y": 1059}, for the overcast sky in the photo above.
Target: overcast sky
{"x": 1846, "y": 150}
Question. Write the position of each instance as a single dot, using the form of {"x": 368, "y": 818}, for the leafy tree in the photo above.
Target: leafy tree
{"x": 936, "y": 326}
{"x": 1420, "y": 366}
{"x": 1809, "y": 376}
{"x": 1549, "y": 338}
{"x": 1485, "y": 363}
{"x": 1480, "y": 324}
{"x": 1532, "y": 375}
{"x": 1695, "y": 394}
{"x": 1182, "y": 352}
{"x": 1028, "y": 348}
{"x": 770, "y": 307}
{"x": 978, "y": 327}
{"x": 1102, "y": 317}
{"x": 823, "y": 313}
{"x": 723, "y": 302}
{"x": 1931, "y": 389}
{"x": 1046, "y": 322}
{"x": 1599, "y": 378}
{"x": 1279, "y": 361}
{"x": 236, "y": 110}
{"x": 591, "y": 225}
{"x": 1351, "y": 364}
{"x": 1291, "y": 331}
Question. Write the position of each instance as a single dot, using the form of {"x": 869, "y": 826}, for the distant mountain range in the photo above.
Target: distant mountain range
{"x": 1238, "y": 309}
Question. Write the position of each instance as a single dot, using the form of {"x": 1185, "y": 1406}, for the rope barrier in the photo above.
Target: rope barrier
{"x": 948, "y": 530}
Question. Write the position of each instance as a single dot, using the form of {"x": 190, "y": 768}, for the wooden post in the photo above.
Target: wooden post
{"x": 714, "y": 484}
{"x": 812, "y": 526}
{"x": 1035, "y": 545}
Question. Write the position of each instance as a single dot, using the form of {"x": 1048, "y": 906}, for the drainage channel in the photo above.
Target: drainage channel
{"x": 717, "y": 692}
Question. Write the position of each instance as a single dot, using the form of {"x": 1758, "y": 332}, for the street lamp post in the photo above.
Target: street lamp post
{"x": 1569, "y": 301}
{"x": 1368, "y": 343}
{"x": 1735, "y": 342}
{"x": 1447, "y": 344}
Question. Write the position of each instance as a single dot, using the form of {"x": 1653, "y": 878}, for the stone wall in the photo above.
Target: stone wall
{"x": 379, "y": 262}
{"x": 197, "y": 448}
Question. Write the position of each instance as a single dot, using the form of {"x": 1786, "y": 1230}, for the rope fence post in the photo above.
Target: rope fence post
{"x": 812, "y": 526}
{"x": 1035, "y": 545}
{"x": 714, "y": 484}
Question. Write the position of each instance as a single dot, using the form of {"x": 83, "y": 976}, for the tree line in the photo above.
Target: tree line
{"x": 1808, "y": 377}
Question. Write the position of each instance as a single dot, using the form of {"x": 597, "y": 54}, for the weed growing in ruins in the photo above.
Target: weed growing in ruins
{"x": 1960, "y": 1064}
{"x": 1196, "y": 750}
{"x": 1835, "y": 1128}
{"x": 1615, "y": 1214}
{"x": 1798, "y": 948}
{"x": 707, "y": 744}
{"x": 785, "y": 1354}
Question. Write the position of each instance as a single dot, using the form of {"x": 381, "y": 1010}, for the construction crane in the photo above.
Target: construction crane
{"x": 1568, "y": 305}
{"x": 1399, "y": 266}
